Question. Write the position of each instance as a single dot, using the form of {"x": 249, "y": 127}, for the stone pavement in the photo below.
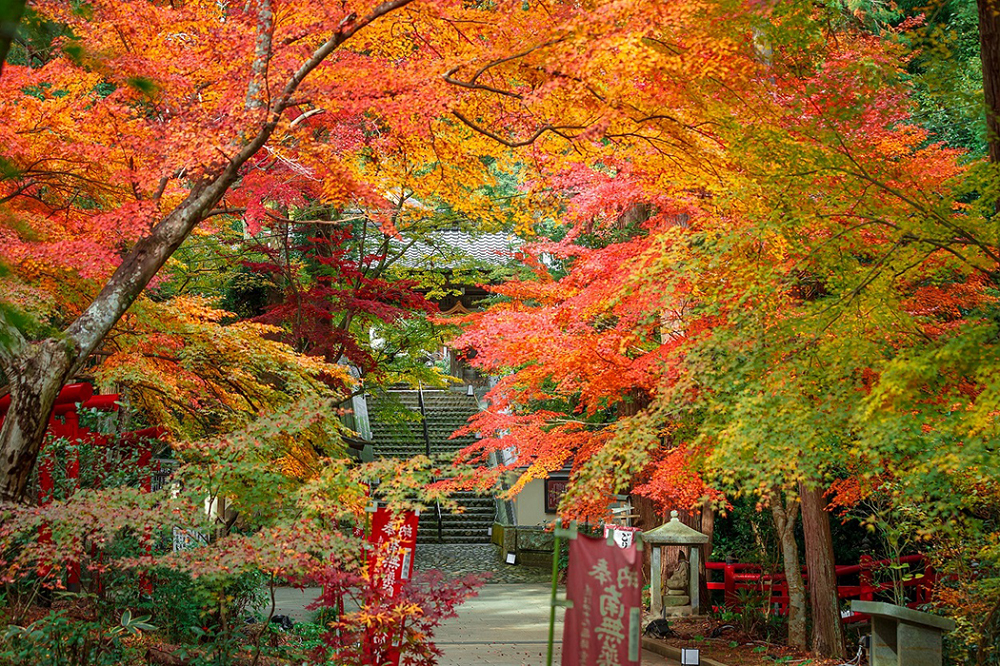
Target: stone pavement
{"x": 452, "y": 559}
{"x": 508, "y": 625}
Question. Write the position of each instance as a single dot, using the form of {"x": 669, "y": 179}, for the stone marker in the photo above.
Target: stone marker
{"x": 902, "y": 636}
{"x": 671, "y": 598}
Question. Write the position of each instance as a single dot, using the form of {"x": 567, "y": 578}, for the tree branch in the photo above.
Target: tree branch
{"x": 477, "y": 86}
{"x": 21, "y": 188}
{"x": 151, "y": 252}
{"x": 11, "y": 339}
{"x": 524, "y": 142}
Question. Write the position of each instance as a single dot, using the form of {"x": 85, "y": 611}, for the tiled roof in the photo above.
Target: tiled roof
{"x": 396, "y": 425}
{"x": 450, "y": 248}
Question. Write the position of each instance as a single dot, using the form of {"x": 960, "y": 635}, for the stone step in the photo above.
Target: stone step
{"x": 447, "y": 536}
{"x": 467, "y": 503}
{"x": 481, "y": 522}
{"x": 470, "y": 526}
{"x": 409, "y": 452}
{"x": 484, "y": 505}
{"x": 455, "y": 529}
{"x": 452, "y": 540}
{"x": 431, "y": 535}
{"x": 467, "y": 518}
{"x": 470, "y": 513}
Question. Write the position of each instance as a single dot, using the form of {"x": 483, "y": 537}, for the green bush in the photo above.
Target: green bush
{"x": 59, "y": 640}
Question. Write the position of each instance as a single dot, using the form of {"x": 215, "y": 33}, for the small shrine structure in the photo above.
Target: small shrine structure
{"x": 678, "y": 595}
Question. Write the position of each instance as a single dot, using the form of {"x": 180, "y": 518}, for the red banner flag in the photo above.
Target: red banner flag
{"x": 390, "y": 562}
{"x": 394, "y": 538}
{"x": 603, "y": 624}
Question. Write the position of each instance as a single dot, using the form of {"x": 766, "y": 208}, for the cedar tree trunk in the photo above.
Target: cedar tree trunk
{"x": 828, "y": 633}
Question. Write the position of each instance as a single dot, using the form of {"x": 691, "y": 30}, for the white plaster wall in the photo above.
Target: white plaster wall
{"x": 529, "y": 505}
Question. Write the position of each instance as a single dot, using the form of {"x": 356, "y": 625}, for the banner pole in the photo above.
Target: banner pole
{"x": 555, "y": 590}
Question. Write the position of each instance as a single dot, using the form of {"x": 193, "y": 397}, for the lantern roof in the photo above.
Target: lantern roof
{"x": 675, "y": 533}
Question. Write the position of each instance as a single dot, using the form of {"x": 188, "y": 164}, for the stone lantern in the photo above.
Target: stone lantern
{"x": 680, "y": 594}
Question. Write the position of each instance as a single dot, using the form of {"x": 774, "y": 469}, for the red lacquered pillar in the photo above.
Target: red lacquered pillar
{"x": 145, "y": 458}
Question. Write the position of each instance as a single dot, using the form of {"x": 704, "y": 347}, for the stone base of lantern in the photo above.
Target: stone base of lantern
{"x": 680, "y": 610}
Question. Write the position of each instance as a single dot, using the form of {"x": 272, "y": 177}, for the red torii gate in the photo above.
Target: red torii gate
{"x": 70, "y": 399}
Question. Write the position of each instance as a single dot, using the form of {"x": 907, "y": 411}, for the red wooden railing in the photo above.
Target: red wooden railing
{"x": 854, "y": 581}
{"x": 70, "y": 399}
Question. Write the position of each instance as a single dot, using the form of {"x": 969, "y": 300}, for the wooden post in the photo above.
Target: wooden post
{"x": 730, "y": 583}
{"x": 145, "y": 456}
{"x": 46, "y": 489}
{"x": 865, "y": 576}
{"x": 655, "y": 587}
{"x": 693, "y": 581}
{"x": 72, "y": 420}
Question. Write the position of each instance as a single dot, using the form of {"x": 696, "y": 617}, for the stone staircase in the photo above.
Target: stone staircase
{"x": 398, "y": 432}
{"x": 472, "y": 525}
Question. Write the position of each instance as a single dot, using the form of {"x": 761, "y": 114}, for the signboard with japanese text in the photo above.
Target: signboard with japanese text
{"x": 393, "y": 538}
{"x": 602, "y": 627}
{"x": 555, "y": 488}
{"x": 623, "y": 536}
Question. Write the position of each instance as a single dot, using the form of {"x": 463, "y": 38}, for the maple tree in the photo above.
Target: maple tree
{"x": 116, "y": 158}
{"x": 160, "y": 205}
{"x": 803, "y": 231}
{"x": 294, "y": 501}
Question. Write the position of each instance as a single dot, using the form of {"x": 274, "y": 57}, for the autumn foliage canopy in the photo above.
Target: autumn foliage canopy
{"x": 750, "y": 270}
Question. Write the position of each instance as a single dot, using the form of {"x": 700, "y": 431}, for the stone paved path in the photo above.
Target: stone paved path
{"x": 508, "y": 625}
{"x": 460, "y": 559}
{"x": 455, "y": 559}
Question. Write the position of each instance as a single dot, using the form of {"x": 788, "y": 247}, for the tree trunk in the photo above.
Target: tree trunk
{"x": 36, "y": 376}
{"x": 828, "y": 632}
{"x": 10, "y": 17}
{"x": 785, "y": 513}
{"x": 989, "y": 49}
{"x": 707, "y": 528}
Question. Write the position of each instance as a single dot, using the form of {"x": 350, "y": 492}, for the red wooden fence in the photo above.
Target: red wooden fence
{"x": 70, "y": 399}
{"x": 856, "y": 581}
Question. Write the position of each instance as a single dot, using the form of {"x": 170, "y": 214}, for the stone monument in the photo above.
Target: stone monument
{"x": 902, "y": 636}
{"x": 675, "y": 588}
{"x": 678, "y": 595}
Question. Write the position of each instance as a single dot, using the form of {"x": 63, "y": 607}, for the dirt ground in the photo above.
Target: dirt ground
{"x": 733, "y": 648}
